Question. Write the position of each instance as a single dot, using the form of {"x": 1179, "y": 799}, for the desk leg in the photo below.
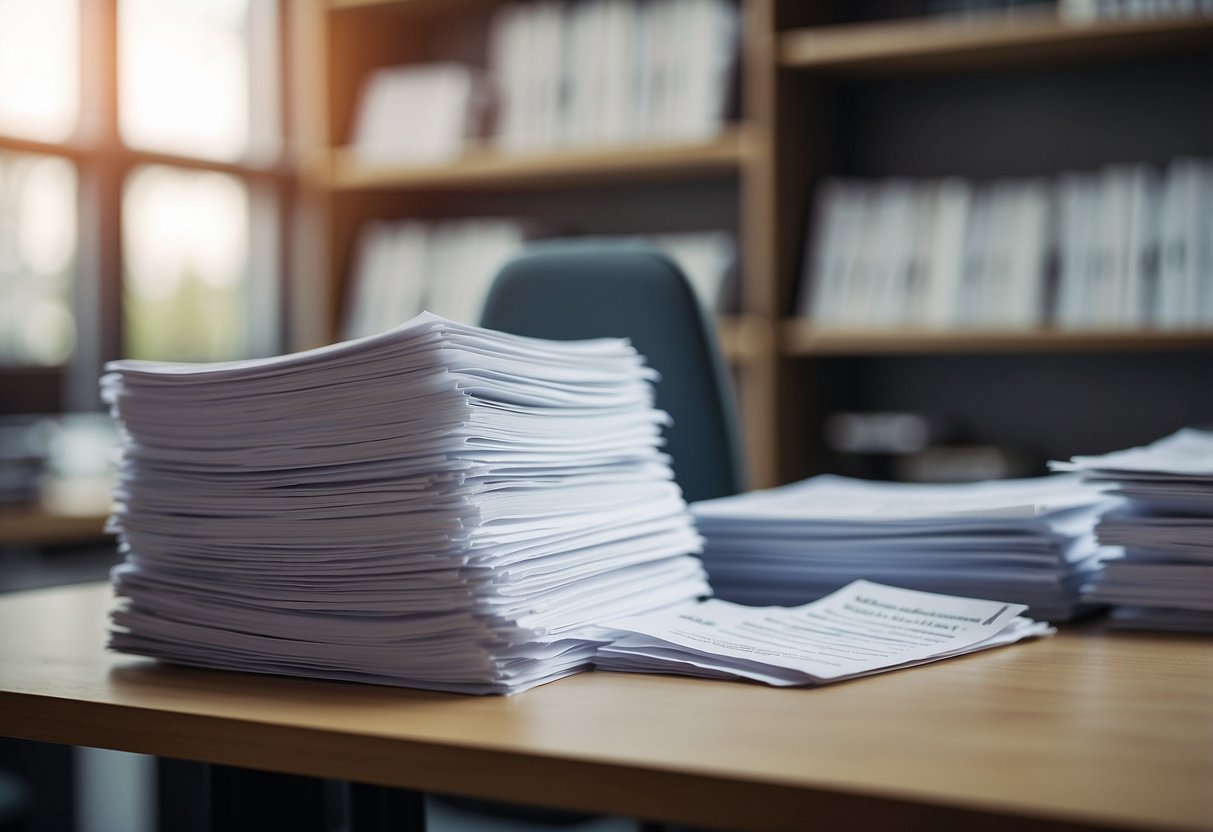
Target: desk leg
{"x": 195, "y": 797}
{"x": 379, "y": 809}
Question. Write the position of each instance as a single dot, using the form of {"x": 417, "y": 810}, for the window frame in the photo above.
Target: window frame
{"x": 103, "y": 161}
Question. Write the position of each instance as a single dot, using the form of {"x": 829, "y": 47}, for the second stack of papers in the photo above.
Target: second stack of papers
{"x": 1028, "y": 541}
{"x": 1163, "y": 576}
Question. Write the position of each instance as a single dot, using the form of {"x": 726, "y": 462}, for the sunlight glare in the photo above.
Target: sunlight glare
{"x": 184, "y": 76}
{"x": 37, "y": 258}
{"x": 39, "y": 68}
{"x": 47, "y": 235}
{"x": 186, "y": 240}
{"x": 49, "y": 332}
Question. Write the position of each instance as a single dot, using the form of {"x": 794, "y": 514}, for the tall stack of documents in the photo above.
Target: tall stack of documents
{"x": 1025, "y": 541}
{"x": 437, "y": 506}
{"x": 1163, "y": 576}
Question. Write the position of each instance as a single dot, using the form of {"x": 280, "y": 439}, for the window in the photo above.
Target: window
{"x": 37, "y": 258}
{"x": 142, "y": 187}
{"x": 39, "y": 68}
{"x": 185, "y": 250}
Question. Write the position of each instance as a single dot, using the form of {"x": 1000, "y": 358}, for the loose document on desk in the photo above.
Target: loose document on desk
{"x": 861, "y": 629}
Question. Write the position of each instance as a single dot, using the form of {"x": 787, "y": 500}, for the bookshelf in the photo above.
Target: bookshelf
{"x": 821, "y": 95}
{"x": 1031, "y": 94}
{"x": 353, "y": 37}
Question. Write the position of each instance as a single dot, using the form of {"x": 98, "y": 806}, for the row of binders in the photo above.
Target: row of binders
{"x": 1127, "y": 247}
{"x": 561, "y": 75}
{"x": 1133, "y": 9}
{"x": 401, "y": 268}
{"x": 605, "y": 72}
{"x": 1161, "y": 576}
{"x": 438, "y": 506}
{"x": 1070, "y": 10}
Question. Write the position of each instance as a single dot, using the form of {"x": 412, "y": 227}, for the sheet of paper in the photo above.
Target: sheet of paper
{"x": 1185, "y": 453}
{"x": 862, "y": 628}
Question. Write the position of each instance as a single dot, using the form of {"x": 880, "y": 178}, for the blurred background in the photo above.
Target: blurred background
{"x": 941, "y": 240}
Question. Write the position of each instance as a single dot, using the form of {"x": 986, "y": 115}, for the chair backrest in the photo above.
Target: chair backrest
{"x": 570, "y": 291}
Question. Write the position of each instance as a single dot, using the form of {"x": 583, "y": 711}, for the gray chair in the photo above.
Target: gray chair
{"x": 567, "y": 291}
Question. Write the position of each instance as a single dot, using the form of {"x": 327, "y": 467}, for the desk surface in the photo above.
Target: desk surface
{"x": 1086, "y": 728}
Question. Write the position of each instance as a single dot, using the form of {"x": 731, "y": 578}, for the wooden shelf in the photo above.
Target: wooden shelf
{"x": 424, "y": 8}
{"x": 957, "y": 44}
{"x": 802, "y": 339}
{"x": 483, "y": 169}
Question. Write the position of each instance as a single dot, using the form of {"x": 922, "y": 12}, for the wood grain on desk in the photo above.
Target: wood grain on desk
{"x": 1084, "y": 729}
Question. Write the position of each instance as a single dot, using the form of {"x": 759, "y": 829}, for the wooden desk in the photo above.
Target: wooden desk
{"x": 1081, "y": 730}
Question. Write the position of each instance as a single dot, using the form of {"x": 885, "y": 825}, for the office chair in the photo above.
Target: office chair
{"x": 572, "y": 290}
{"x": 568, "y": 291}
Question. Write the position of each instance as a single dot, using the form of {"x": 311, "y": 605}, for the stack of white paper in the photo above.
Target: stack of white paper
{"x": 1028, "y": 541}
{"x": 862, "y": 629}
{"x": 438, "y": 506}
{"x": 1164, "y": 578}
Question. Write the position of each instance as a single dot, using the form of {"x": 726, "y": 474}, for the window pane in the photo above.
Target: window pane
{"x": 39, "y": 68}
{"x": 37, "y": 259}
{"x": 185, "y": 239}
{"x": 184, "y": 76}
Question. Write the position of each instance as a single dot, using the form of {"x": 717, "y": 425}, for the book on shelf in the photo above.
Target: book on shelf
{"x": 1123, "y": 248}
{"x": 611, "y": 72}
{"x": 401, "y": 268}
{"x": 1132, "y": 9}
{"x": 418, "y": 114}
{"x": 447, "y": 267}
{"x": 918, "y": 447}
{"x": 1070, "y": 10}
